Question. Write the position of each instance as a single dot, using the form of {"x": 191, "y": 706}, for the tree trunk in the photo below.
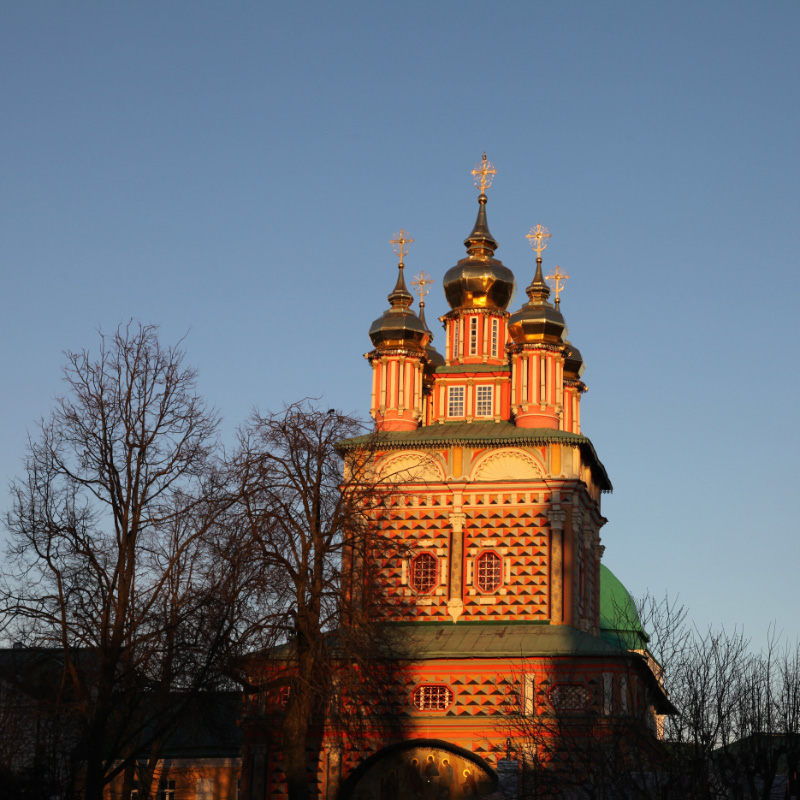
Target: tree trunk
{"x": 297, "y": 723}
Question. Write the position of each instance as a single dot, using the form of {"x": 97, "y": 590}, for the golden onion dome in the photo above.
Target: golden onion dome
{"x": 399, "y": 326}
{"x": 480, "y": 280}
{"x": 538, "y": 320}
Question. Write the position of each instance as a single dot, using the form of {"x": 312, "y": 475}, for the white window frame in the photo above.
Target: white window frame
{"x": 495, "y": 337}
{"x": 484, "y": 401}
{"x": 455, "y": 401}
{"x": 473, "y": 336}
{"x": 608, "y": 694}
{"x": 529, "y": 694}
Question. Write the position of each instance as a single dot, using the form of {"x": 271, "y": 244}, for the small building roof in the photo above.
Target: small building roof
{"x": 492, "y": 640}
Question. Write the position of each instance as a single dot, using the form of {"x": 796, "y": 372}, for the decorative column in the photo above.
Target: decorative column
{"x": 557, "y": 517}
{"x": 455, "y": 601}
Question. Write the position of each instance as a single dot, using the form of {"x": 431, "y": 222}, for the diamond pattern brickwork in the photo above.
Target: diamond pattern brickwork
{"x": 508, "y": 524}
{"x": 519, "y": 535}
{"x": 415, "y": 524}
{"x": 479, "y": 693}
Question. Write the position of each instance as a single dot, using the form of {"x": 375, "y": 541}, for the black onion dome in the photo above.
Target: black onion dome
{"x": 399, "y": 326}
{"x": 435, "y": 358}
{"x": 573, "y": 362}
{"x": 537, "y": 320}
{"x": 480, "y": 280}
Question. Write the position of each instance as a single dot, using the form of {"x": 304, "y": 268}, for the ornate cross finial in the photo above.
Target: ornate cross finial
{"x": 486, "y": 171}
{"x": 538, "y": 238}
{"x": 419, "y": 283}
{"x": 558, "y": 277}
{"x": 399, "y": 243}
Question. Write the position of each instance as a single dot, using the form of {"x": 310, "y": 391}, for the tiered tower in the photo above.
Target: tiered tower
{"x": 490, "y": 550}
{"x": 400, "y": 338}
{"x": 496, "y": 526}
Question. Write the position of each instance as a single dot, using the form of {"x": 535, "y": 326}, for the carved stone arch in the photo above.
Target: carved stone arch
{"x": 394, "y": 766}
{"x": 411, "y": 466}
{"x": 508, "y": 465}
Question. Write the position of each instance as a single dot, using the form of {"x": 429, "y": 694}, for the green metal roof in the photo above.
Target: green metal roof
{"x": 481, "y": 434}
{"x": 620, "y": 623}
{"x": 461, "y": 369}
{"x": 482, "y": 640}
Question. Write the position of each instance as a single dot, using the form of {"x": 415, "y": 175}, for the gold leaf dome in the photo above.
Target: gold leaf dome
{"x": 538, "y": 320}
{"x": 399, "y": 326}
{"x": 480, "y": 280}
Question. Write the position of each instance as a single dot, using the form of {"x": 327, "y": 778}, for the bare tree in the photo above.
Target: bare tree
{"x": 109, "y": 559}
{"x": 311, "y": 513}
{"x": 733, "y": 735}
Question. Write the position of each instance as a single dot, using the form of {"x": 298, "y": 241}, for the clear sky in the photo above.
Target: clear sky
{"x": 235, "y": 170}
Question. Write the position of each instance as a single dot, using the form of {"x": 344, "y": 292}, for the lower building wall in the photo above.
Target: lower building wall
{"x": 464, "y": 713}
{"x": 188, "y": 779}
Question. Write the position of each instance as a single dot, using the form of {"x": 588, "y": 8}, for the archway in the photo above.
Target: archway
{"x": 421, "y": 769}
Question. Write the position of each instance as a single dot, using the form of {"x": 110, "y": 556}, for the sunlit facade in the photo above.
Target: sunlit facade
{"x": 495, "y": 556}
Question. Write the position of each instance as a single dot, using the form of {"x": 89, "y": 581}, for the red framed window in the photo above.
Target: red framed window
{"x": 488, "y": 571}
{"x": 424, "y": 572}
{"x": 432, "y": 697}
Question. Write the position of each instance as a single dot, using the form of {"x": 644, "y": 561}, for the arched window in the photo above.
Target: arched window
{"x": 432, "y": 697}
{"x": 424, "y": 572}
{"x": 488, "y": 571}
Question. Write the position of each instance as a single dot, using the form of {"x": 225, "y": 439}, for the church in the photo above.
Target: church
{"x": 507, "y": 613}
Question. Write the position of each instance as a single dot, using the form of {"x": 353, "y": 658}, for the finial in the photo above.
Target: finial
{"x": 400, "y": 295}
{"x": 538, "y": 238}
{"x": 538, "y": 290}
{"x": 480, "y": 243}
{"x": 419, "y": 283}
{"x": 558, "y": 277}
{"x": 398, "y": 243}
{"x": 486, "y": 171}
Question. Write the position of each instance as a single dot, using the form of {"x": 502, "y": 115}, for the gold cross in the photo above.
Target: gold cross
{"x": 399, "y": 243}
{"x": 538, "y": 238}
{"x": 558, "y": 277}
{"x": 419, "y": 283}
{"x": 487, "y": 172}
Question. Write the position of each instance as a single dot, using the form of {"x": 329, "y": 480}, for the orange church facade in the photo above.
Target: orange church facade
{"x": 496, "y": 547}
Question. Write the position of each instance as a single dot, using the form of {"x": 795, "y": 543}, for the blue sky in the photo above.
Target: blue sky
{"x": 235, "y": 171}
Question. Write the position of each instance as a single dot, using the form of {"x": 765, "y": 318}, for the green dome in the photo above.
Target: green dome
{"x": 620, "y": 623}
